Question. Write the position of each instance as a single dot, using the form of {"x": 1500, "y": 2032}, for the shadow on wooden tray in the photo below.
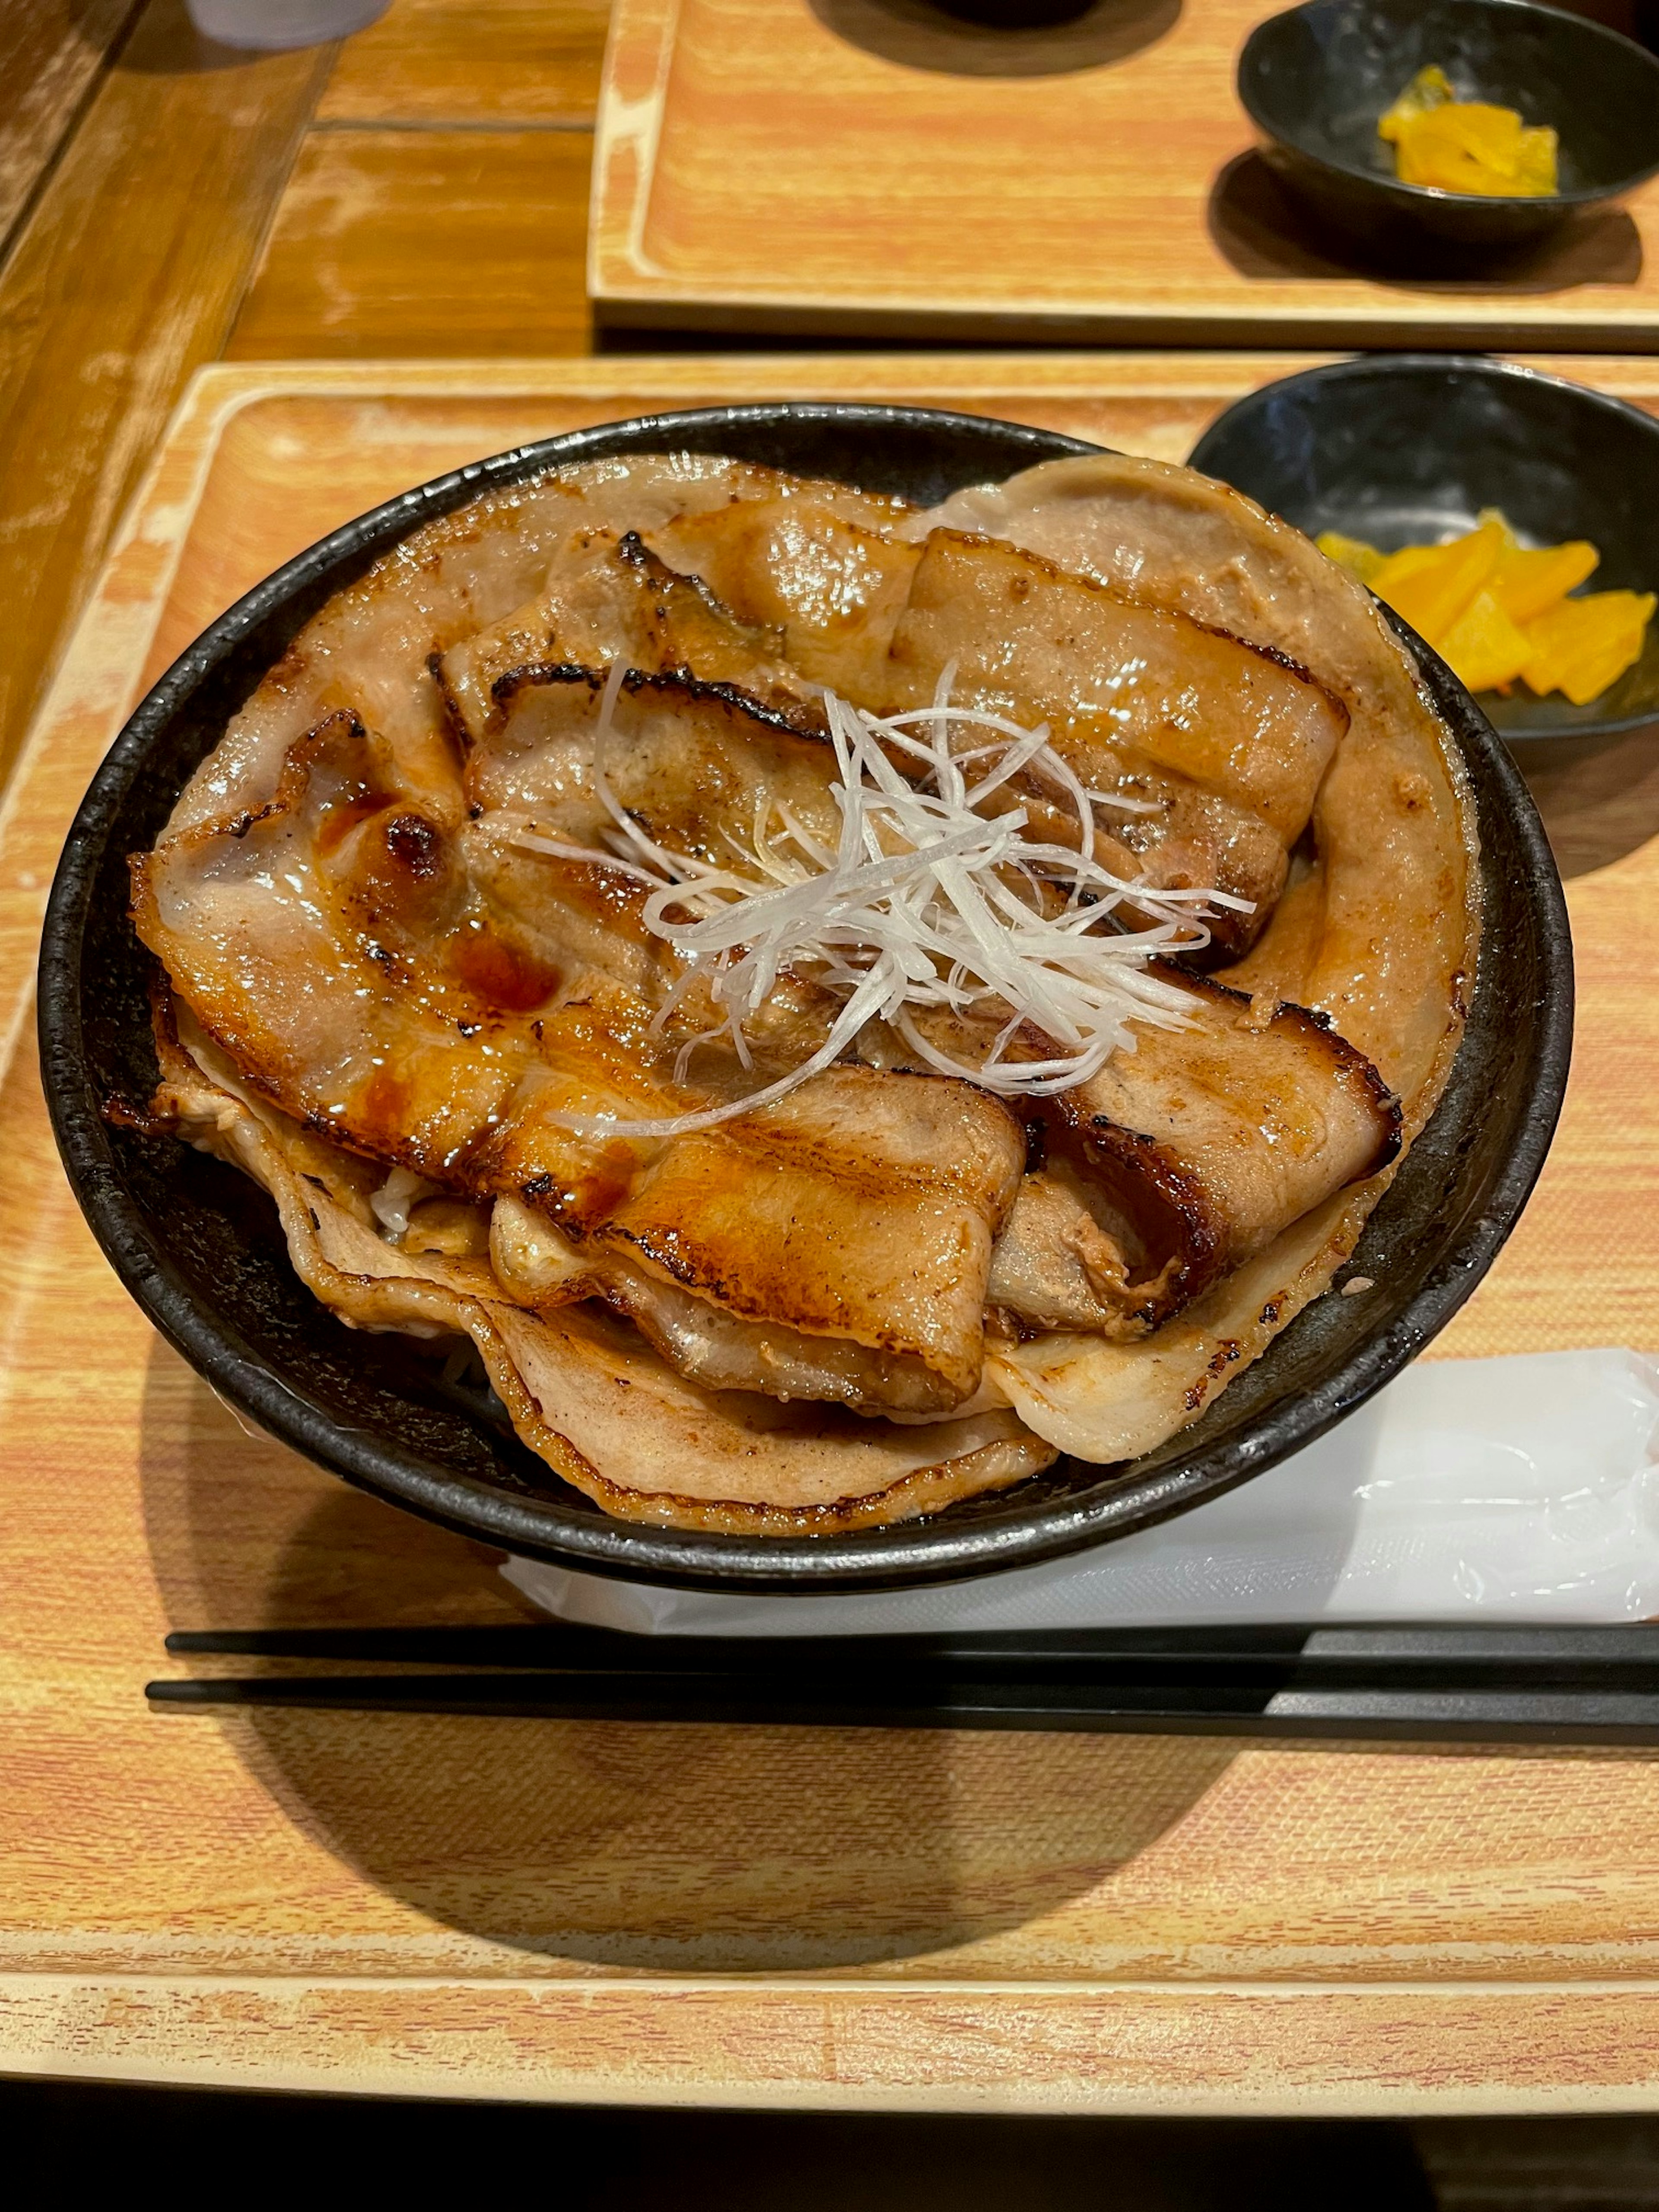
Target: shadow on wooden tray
{"x": 1263, "y": 233}
{"x": 1599, "y": 796}
{"x": 666, "y": 1848}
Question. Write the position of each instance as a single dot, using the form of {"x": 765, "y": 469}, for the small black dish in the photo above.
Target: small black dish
{"x": 199, "y": 1246}
{"x": 1315, "y": 82}
{"x": 1406, "y": 448}
{"x": 1015, "y": 15}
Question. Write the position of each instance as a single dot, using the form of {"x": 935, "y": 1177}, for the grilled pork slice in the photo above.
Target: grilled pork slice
{"x": 831, "y": 587}
{"x": 1226, "y": 742}
{"x": 1387, "y": 944}
{"x": 605, "y": 598}
{"x": 1183, "y": 1158}
{"x": 432, "y": 994}
{"x": 679, "y": 1249}
{"x": 580, "y": 1388}
{"x": 691, "y": 761}
{"x": 372, "y": 649}
{"x": 1102, "y": 668}
{"x": 835, "y": 1245}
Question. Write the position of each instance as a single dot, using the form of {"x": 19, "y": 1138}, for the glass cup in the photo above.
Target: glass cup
{"x": 275, "y": 23}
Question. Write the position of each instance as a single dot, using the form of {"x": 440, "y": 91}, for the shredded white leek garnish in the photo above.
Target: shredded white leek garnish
{"x": 925, "y": 903}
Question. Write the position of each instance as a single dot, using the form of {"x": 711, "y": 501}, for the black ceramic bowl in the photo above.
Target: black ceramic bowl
{"x": 1404, "y": 449}
{"x": 199, "y": 1246}
{"x": 1015, "y": 15}
{"x": 1316, "y": 81}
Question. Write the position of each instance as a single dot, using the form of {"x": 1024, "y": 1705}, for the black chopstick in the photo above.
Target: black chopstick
{"x": 1464, "y": 1682}
{"x": 1494, "y": 1654}
{"x": 1419, "y": 1714}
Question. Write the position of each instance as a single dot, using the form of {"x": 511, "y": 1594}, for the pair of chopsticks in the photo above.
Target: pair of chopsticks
{"x": 1519, "y": 1684}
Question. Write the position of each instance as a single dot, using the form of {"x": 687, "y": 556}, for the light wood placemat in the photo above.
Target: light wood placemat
{"x": 868, "y": 165}
{"x": 496, "y": 1907}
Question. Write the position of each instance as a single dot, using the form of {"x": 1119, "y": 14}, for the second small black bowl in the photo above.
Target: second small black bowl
{"x": 1314, "y": 82}
{"x": 1404, "y": 449}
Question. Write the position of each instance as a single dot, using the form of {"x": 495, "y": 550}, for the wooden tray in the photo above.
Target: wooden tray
{"x": 868, "y": 165}
{"x": 506, "y": 1908}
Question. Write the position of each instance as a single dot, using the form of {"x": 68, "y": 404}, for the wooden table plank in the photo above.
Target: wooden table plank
{"x": 125, "y": 277}
{"x": 50, "y": 53}
{"x": 436, "y": 62}
{"x": 427, "y": 242}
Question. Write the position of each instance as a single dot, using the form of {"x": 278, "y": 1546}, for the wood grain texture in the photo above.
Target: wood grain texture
{"x": 50, "y": 53}
{"x": 1210, "y": 2052}
{"x": 441, "y": 1905}
{"x": 867, "y": 166}
{"x": 472, "y": 61}
{"x": 123, "y": 279}
{"x": 428, "y": 242}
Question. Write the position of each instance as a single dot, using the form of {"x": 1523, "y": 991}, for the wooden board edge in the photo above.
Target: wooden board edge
{"x": 89, "y": 694}
{"x": 1070, "y": 373}
{"x": 1183, "y": 373}
{"x": 1166, "y": 2051}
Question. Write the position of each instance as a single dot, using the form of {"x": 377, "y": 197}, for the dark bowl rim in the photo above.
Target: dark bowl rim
{"x": 1547, "y": 208}
{"x": 909, "y": 1554}
{"x": 1470, "y": 364}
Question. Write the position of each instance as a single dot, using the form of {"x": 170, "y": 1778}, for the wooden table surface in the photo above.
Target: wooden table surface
{"x": 504, "y": 1908}
{"x": 420, "y": 190}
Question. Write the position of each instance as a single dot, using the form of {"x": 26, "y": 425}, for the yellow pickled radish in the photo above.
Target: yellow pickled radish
{"x": 1526, "y": 583}
{"x": 1496, "y": 610}
{"x": 1483, "y": 647}
{"x": 1538, "y": 177}
{"x": 1429, "y": 87}
{"x": 1463, "y": 133}
{"x": 1431, "y": 585}
{"x": 1409, "y": 559}
{"x": 1468, "y": 145}
{"x": 1353, "y": 554}
{"x": 1583, "y": 645}
{"x": 1588, "y": 679}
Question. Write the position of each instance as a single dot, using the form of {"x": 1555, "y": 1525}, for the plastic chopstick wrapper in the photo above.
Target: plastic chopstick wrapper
{"x": 1519, "y": 1489}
